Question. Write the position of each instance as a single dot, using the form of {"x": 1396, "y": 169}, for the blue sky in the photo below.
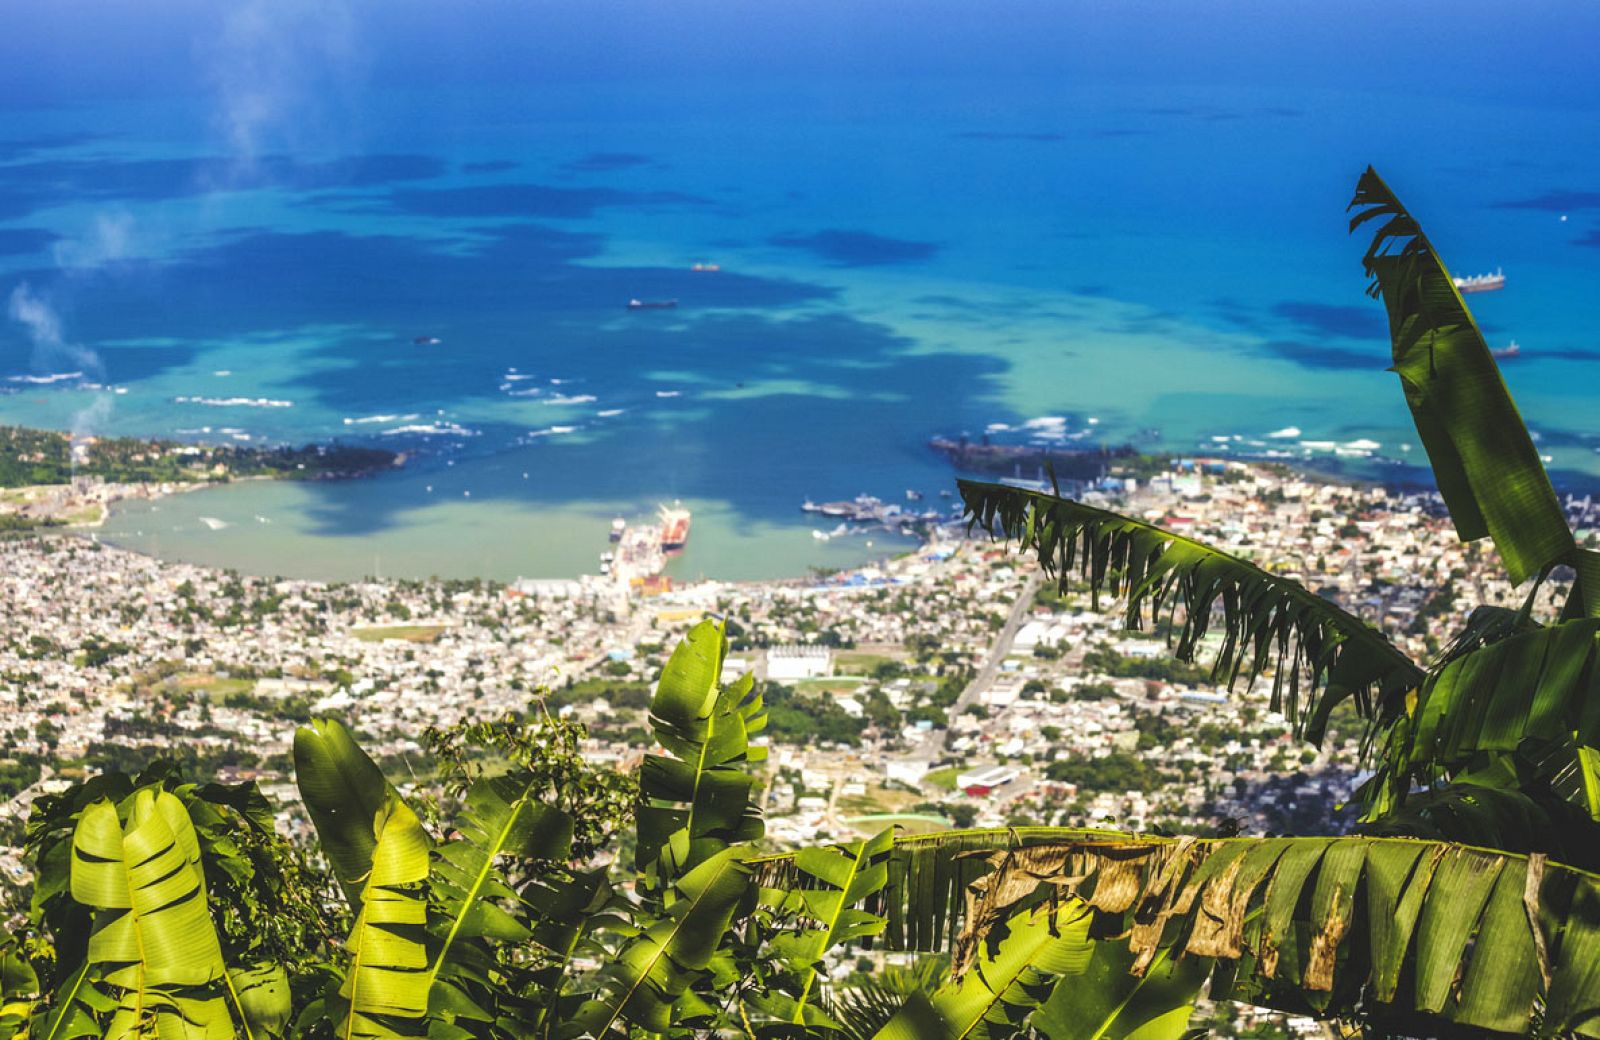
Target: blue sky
{"x": 1525, "y": 51}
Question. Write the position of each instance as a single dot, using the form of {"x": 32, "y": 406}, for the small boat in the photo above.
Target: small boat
{"x": 913, "y": 496}
{"x": 617, "y": 527}
{"x": 705, "y": 267}
{"x": 607, "y": 557}
{"x": 1506, "y": 353}
{"x": 427, "y": 341}
{"x": 651, "y": 305}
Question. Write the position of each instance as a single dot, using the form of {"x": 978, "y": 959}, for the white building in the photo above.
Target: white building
{"x": 788, "y": 663}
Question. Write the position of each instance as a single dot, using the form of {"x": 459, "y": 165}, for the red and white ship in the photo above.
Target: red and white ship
{"x": 674, "y": 528}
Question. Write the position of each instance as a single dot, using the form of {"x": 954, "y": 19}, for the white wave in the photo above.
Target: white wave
{"x": 223, "y": 372}
{"x": 54, "y": 377}
{"x": 997, "y": 427}
{"x": 551, "y": 431}
{"x": 532, "y": 391}
{"x": 609, "y": 412}
{"x": 571, "y": 399}
{"x": 365, "y": 419}
{"x": 433, "y": 429}
{"x": 669, "y": 393}
{"x": 514, "y": 376}
{"x": 241, "y": 436}
{"x": 236, "y": 402}
{"x": 1286, "y": 434}
{"x": 1045, "y": 422}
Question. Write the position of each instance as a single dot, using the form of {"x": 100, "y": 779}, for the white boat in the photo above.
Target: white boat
{"x": 1481, "y": 282}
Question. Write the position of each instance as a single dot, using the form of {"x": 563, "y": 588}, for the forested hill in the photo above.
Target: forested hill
{"x": 29, "y": 457}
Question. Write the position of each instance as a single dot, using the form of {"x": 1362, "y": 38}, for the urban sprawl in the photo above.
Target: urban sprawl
{"x": 951, "y": 685}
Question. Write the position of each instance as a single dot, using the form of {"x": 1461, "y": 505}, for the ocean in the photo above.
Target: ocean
{"x": 292, "y": 223}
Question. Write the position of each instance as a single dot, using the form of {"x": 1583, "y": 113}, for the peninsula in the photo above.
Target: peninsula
{"x": 48, "y": 478}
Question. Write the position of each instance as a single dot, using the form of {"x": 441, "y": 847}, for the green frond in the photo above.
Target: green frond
{"x": 1405, "y": 929}
{"x": 860, "y": 1011}
{"x": 153, "y": 939}
{"x": 1486, "y": 465}
{"x": 642, "y": 985}
{"x": 386, "y": 987}
{"x": 1268, "y": 622}
{"x": 1541, "y": 685}
{"x": 1505, "y": 816}
{"x": 696, "y": 800}
{"x": 343, "y": 791}
{"x": 502, "y": 816}
{"x": 1015, "y": 973}
{"x": 820, "y": 911}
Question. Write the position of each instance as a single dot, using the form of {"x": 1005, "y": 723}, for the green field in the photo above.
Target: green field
{"x": 854, "y": 662}
{"x": 943, "y": 778}
{"x": 212, "y": 685}
{"x": 410, "y": 633}
{"x": 819, "y": 686}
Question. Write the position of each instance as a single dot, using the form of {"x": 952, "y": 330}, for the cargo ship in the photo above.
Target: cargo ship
{"x": 674, "y": 528}
{"x": 1504, "y": 353}
{"x": 1481, "y": 282}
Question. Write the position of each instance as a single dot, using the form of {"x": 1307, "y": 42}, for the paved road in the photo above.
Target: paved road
{"x": 932, "y": 747}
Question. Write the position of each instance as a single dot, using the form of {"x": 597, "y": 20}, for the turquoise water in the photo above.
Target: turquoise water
{"x": 903, "y": 252}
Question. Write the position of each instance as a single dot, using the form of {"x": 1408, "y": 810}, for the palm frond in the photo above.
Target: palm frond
{"x": 1504, "y": 816}
{"x": 1484, "y": 461}
{"x": 1268, "y": 622}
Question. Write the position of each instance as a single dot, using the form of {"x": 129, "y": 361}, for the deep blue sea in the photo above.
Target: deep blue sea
{"x": 420, "y": 227}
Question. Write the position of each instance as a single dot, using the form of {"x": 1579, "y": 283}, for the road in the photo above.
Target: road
{"x": 932, "y": 746}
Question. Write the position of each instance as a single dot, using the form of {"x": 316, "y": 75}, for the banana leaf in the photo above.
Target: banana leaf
{"x": 642, "y": 987}
{"x": 1269, "y": 623}
{"x": 824, "y": 896}
{"x": 1399, "y": 929}
{"x": 344, "y": 791}
{"x": 696, "y": 800}
{"x": 1484, "y": 461}
{"x": 152, "y": 939}
{"x": 386, "y": 986}
{"x": 1014, "y": 975}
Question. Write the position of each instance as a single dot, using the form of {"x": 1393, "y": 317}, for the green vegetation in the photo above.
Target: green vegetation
{"x": 1116, "y": 772}
{"x": 32, "y": 457}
